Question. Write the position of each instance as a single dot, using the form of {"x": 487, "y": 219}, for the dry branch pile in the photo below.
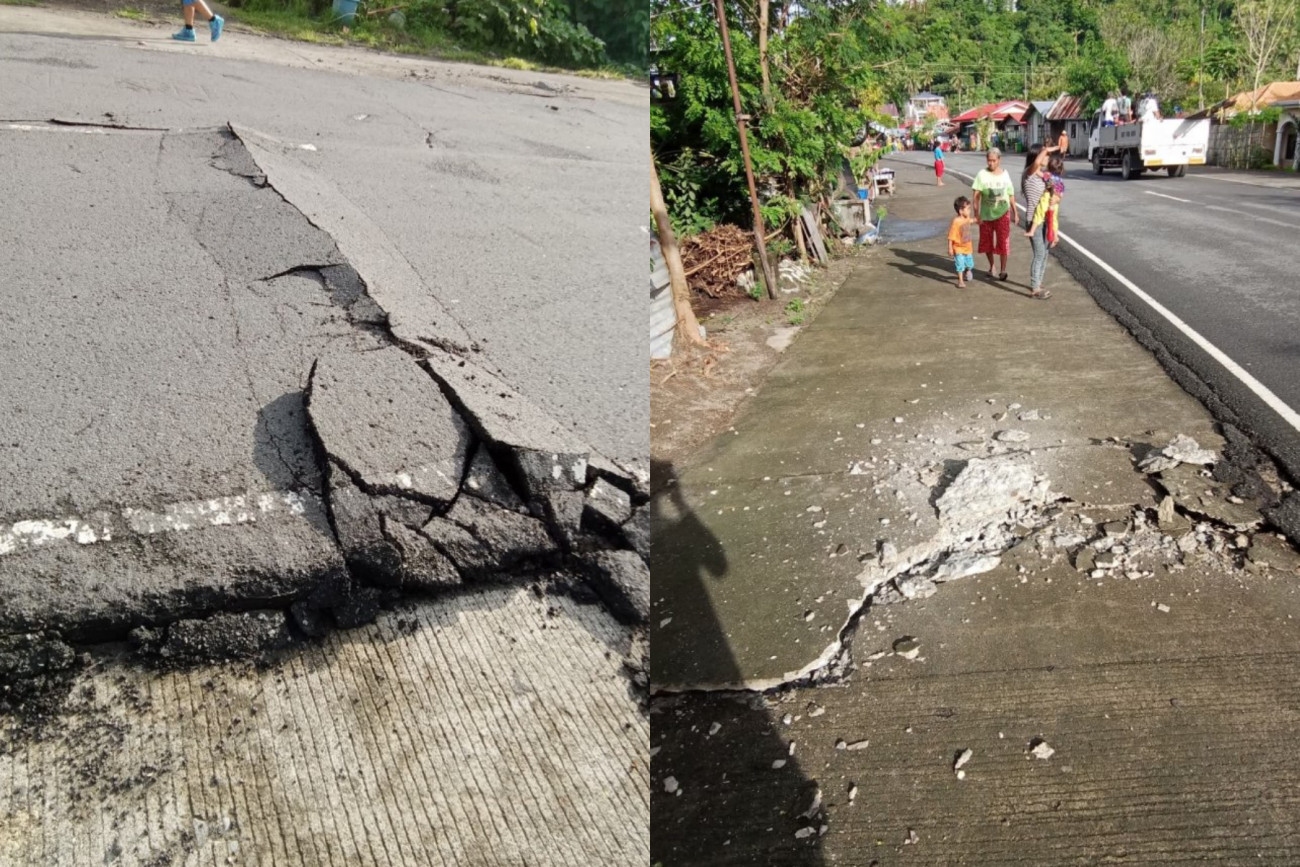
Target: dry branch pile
{"x": 714, "y": 259}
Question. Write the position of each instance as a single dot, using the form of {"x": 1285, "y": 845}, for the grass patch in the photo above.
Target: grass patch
{"x": 132, "y": 14}
{"x": 21, "y": 3}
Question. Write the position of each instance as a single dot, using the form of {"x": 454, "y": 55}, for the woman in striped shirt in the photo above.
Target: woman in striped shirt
{"x": 1033, "y": 187}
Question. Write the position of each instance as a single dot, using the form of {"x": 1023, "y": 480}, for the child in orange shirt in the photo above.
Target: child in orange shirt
{"x": 960, "y": 246}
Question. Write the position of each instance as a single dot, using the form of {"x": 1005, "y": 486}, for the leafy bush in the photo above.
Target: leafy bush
{"x": 537, "y": 29}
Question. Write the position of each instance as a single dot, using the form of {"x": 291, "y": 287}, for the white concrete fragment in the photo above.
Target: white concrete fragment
{"x": 671, "y": 785}
{"x": 962, "y": 759}
{"x": 963, "y": 565}
{"x": 1042, "y": 751}
{"x": 1011, "y": 436}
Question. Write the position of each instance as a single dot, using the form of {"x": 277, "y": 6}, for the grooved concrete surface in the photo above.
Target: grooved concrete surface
{"x": 490, "y": 728}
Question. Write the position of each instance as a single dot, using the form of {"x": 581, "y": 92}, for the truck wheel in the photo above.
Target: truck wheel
{"x": 1130, "y": 171}
{"x": 1173, "y": 171}
{"x": 1096, "y": 162}
{"x": 1182, "y": 170}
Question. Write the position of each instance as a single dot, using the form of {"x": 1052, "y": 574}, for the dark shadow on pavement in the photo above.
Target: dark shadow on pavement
{"x": 283, "y": 449}
{"x": 738, "y": 795}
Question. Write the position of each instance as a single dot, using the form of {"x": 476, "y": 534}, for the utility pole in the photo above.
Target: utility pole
{"x": 741, "y": 120}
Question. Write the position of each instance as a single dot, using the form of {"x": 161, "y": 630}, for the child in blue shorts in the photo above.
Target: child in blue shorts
{"x": 215, "y": 22}
{"x": 960, "y": 246}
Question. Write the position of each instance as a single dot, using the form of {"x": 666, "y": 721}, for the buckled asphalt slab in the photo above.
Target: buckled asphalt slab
{"x": 929, "y": 532}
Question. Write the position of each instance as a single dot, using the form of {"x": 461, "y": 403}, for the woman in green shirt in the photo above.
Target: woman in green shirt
{"x": 995, "y": 195}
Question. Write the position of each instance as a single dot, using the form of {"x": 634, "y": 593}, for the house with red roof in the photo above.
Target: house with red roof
{"x": 1006, "y": 117}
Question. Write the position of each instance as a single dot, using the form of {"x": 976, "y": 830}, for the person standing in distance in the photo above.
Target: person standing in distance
{"x": 215, "y": 22}
{"x": 1109, "y": 110}
{"x": 938, "y": 162}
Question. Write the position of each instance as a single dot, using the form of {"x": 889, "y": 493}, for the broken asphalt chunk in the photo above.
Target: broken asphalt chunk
{"x": 622, "y": 579}
{"x": 546, "y": 457}
{"x": 486, "y": 481}
{"x": 378, "y": 415}
{"x": 482, "y": 539}
{"x": 225, "y": 636}
{"x": 607, "y": 508}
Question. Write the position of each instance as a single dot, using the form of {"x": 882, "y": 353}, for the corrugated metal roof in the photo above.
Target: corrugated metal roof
{"x": 997, "y": 110}
{"x": 1066, "y": 108}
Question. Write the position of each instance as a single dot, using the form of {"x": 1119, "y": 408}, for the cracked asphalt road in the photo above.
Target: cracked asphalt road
{"x": 174, "y": 299}
{"x": 515, "y": 197}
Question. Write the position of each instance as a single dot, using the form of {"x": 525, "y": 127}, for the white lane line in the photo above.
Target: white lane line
{"x": 172, "y": 518}
{"x": 1261, "y": 391}
{"x": 1252, "y": 216}
{"x": 1175, "y": 198}
{"x": 1279, "y": 184}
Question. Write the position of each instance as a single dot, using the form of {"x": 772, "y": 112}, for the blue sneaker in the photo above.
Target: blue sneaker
{"x": 215, "y": 26}
{"x": 186, "y": 34}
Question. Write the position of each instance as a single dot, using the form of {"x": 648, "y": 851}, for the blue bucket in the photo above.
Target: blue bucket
{"x": 862, "y": 192}
{"x": 345, "y": 10}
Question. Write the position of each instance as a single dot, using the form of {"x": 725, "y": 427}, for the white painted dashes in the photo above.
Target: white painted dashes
{"x": 29, "y": 534}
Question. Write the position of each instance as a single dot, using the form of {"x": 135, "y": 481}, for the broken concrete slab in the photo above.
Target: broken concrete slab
{"x": 622, "y": 580}
{"x": 1182, "y": 449}
{"x": 1267, "y": 550}
{"x": 380, "y": 418}
{"x": 1200, "y": 494}
{"x": 544, "y": 456}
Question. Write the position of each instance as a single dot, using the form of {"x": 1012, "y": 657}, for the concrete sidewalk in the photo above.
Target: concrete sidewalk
{"x": 934, "y": 509}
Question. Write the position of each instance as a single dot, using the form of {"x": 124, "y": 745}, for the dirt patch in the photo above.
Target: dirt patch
{"x": 695, "y": 395}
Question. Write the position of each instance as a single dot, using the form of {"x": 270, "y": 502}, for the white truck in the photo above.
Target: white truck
{"x": 1172, "y": 144}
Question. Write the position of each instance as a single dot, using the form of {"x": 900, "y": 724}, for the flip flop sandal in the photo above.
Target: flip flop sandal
{"x": 1044, "y": 295}
{"x": 1002, "y": 276}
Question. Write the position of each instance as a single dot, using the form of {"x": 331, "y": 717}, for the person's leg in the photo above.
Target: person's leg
{"x": 1039, "y": 264}
{"x": 986, "y": 242}
{"x": 1004, "y": 243}
{"x": 186, "y": 33}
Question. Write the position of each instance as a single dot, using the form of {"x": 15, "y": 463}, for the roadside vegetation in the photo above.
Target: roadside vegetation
{"x": 813, "y": 74}
{"x": 603, "y": 36}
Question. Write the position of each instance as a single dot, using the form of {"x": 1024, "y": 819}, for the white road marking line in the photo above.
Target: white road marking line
{"x": 1279, "y": 184}
{"x": 216, "y": 512}
{"x": 1252, "y": 216}
{"x": 172, "y": 518}
{"x": 1175, "y": 198}
{"x": 1261, "y": 391}
{"x": 25, "y": 535}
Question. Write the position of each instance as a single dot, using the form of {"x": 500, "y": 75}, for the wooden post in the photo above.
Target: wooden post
{"x": 688, "y": 328}
{"x": 742, "y": 119}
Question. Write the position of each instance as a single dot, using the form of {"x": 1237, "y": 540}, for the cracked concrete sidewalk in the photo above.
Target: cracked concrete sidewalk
{"x": 950, "y": 520}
